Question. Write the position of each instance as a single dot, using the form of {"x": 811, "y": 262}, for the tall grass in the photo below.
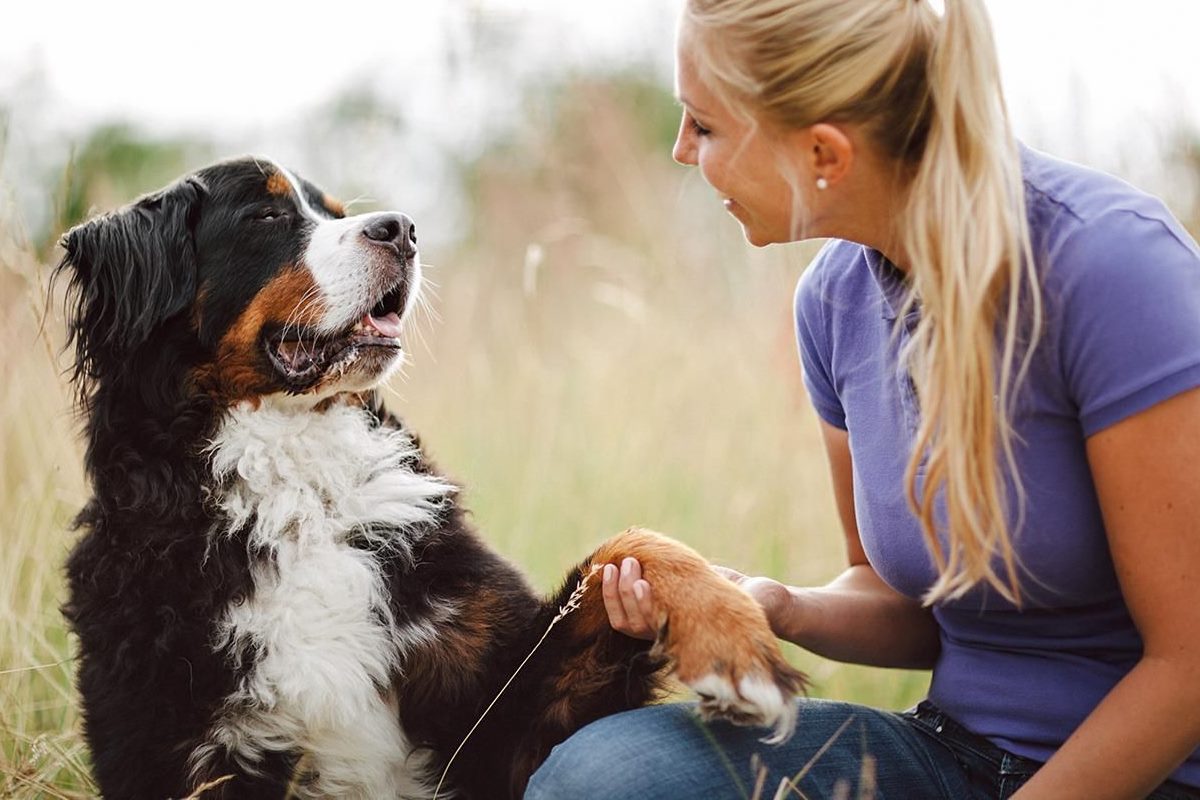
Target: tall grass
{"x": 41, "y": 753}
{"x": 609, "y": 353}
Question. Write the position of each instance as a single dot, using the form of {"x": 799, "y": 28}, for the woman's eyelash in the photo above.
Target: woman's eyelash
{"x": 699, "y": 129}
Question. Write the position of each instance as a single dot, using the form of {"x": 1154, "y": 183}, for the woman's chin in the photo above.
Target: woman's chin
{"x": 757, "y": 236}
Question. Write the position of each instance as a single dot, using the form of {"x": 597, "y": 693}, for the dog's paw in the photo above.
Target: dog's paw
{"x": 766, "y": 700}
{"x": 737, "y": 671}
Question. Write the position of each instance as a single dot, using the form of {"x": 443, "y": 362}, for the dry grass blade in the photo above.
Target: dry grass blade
{"x": 760, "y": 771}
{"x": 790, "y": 785}
{"x": 35, "y": 668}
{"x": 45, "y": 789}
{"x": 204, "y": 787}
{"x": 867, "y": 779}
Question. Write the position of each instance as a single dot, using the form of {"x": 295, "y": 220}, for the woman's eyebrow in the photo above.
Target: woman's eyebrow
{"x": 683, "y": 101}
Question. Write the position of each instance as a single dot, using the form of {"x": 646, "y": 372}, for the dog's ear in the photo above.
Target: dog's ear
{"x": 130, "y": 270}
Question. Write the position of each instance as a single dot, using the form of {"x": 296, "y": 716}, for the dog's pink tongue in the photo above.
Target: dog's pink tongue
{"x": 387, "y": 325}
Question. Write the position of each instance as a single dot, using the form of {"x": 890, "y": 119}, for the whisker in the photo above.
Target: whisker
{"x": 423, "y": 314}
{"x": 430, "y": 299}
{"x": 362, "y": 198}
{"x": 310, "y": 299}
{"x": 308, "y": 295}
{"x": 306, "y": 301}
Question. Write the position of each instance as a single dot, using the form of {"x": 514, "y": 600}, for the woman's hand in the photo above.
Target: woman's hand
{"x": 773, "y": 596}
{"x": 629, "y": 601}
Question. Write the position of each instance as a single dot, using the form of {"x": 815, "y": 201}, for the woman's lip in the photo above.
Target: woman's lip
{"x": 733, "y": 209}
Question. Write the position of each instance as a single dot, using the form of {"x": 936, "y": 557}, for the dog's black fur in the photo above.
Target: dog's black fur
{"x": 167, "y": 340}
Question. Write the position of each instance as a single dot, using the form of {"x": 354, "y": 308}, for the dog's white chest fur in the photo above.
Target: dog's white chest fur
{"x": 317, "y": 635}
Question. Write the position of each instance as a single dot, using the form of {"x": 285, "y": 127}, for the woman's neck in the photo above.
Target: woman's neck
{"x": 868, "y": 204}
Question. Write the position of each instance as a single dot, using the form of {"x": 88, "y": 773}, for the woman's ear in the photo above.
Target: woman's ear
{"x": 829, "y": 151}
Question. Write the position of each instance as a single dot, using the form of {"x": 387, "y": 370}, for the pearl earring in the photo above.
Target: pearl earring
{"x": 822, "y": 184}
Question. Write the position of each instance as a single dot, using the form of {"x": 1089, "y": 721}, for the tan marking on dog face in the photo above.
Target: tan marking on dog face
{"x": 333, "y": 206}
{"x": 241, "y": 370}
{"x": 292, "y": 296}
{"x": 278, "y": 184}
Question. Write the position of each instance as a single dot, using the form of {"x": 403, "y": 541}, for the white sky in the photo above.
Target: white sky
{"x": 1100, "y": 81}
{"x": 239, "y": 62}
{"x": 225, "y": 63}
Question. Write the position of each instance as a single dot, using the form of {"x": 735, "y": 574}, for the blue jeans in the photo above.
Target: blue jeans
{"x": 839, "y": 750}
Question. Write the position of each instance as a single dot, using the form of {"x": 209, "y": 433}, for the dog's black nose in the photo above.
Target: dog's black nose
{"x": 394, "y": 229}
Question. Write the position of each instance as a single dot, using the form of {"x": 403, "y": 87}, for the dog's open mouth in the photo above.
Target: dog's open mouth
{"x": 302, "y": 355}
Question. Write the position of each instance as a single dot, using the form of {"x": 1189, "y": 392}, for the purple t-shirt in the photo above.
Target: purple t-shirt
{"x": 1121, "y": 288}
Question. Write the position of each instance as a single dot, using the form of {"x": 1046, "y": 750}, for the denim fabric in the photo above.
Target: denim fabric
{"x": 666, "y": 753}
{"x": 990, "y": 771}
{"x": 839, "y": 751}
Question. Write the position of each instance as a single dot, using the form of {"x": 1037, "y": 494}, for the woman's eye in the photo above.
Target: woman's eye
{"x": 699, "y": 129}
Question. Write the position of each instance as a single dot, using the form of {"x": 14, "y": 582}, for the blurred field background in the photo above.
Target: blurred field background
{"x": 609, "y": 351}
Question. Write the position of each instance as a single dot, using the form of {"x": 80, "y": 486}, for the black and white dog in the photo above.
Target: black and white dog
{"x": 275, "y": 591}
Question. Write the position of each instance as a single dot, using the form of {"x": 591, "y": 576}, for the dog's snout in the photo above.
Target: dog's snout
{"x": 394, "y": 229}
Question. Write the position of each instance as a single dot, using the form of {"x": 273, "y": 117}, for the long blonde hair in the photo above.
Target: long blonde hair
{"x": 926, "y": 88}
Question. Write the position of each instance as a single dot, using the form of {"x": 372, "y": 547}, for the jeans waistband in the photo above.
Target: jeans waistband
{"x": 955, "y": 736}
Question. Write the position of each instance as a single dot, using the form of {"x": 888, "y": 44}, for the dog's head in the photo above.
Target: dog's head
{"x": 239, "y": 281}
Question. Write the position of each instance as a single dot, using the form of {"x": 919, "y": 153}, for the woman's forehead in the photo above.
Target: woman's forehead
{"x": 690, "y": 89}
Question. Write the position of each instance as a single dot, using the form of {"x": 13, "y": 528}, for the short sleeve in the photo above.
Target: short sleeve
{"x": 813, "y": 339}
{"x": 1128, "y": 303}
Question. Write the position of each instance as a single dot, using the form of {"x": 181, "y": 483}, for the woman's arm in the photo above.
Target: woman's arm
{"x": 855, "y": 618}
{"x": 1147, "y": 474}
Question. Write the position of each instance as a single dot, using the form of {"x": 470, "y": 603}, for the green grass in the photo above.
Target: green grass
{"x": 610, "y": 353}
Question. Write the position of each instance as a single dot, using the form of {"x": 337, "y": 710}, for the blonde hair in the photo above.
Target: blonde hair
{"x": 926, "y": 89}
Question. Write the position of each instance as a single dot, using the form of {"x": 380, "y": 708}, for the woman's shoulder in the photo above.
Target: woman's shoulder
{"x": 833, "y": 257}
{"x": 1120, "y": 282}
{"x": 1077, "y": 209}
{"x": 836, "y": 271}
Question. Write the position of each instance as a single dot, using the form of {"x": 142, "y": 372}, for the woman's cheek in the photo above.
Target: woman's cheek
{"x": 710, "y": 168}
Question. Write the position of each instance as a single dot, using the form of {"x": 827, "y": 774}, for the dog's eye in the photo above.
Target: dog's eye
{"x": 269, "y": 214}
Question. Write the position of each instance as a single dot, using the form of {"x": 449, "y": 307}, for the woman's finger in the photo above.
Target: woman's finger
{"x": 645, "y": 602}
{"x": 612, "y": 600}
{"x": 728, "y": 574}
{"x": 631, "y": 573}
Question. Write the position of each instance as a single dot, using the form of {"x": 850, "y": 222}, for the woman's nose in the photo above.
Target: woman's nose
{"x": 684, "y": 151}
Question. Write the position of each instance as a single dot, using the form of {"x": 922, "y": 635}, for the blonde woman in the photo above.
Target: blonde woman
{"x": 1004, "y": 351}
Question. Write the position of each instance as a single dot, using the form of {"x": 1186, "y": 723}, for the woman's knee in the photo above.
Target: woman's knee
{"x": 573, "y": 769}
{"x": 614, "y": 758}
